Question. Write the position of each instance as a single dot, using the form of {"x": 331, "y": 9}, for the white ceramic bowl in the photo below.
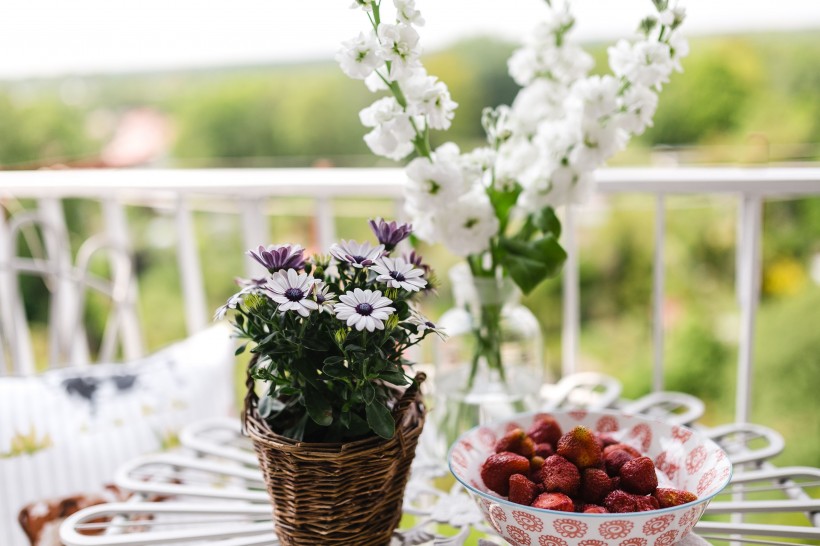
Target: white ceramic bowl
{"x": 688, "y": 459}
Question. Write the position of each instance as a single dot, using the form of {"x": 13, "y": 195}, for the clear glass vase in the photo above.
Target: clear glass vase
{"x": 491, "y": 365}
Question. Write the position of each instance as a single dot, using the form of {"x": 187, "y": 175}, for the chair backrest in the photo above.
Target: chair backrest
{"x": 34, "y": 242}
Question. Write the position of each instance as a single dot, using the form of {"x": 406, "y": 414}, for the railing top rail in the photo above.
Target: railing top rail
{"x": 384, "y": 182}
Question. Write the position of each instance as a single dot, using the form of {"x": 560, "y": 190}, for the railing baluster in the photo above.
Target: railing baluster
{"x": 254, "y": 231}
{"x": 571, "y": 328}
{"x": 193, "y": 290}
{"x": 658, "y": 292}
{"x": 748, "y": 270}
{"x": 325, "y": 222}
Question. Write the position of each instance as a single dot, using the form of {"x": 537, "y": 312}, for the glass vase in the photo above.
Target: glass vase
{"x": 491, "y": 365}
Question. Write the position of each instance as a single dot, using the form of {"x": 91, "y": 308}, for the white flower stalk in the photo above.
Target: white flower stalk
{"x": 290, "y": 290}
{"x": 397, "y": 273}
{"x": 366, "y": 5}
{"x": 407, "y": 13}
{"x": 399, "y": 47}
{"x": 364, "y": 309}
{"x": 430, "y": 98}
{"x": 393, "y": 131}
{"x": 433, "y": 184}
{"x": 358, "y": 57}
{"x": 467, "y": 225}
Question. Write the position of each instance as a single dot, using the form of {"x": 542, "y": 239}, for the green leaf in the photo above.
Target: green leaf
{"x": 336, "y": 370}
{"x": 369, "y": 393}
{"x": 503, "y": 202}
{"x": 334, "y": 359}
{"x": 396, "y": 378}
{"x": 355, "y": 348}
{"x": 546, "y": 220}
{"x": 318, "y": 407}
{"x": 529, "y": 263}
{"x": 240, "y": 350}
{"x": 402, "y": 309}
{"x": 380, "y": 420}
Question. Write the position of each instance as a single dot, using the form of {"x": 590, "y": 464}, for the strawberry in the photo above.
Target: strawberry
{"x": 623, "y": 447}
{"x": 535, "y": 465}
{"x": 522, "y": 490}
{"x": 619, "y": 501}
{"x": 545, "y": 430}
{"x": 580, "y": 447}
{"x": 554, "y": 501}
{"x": 516, "y": 441}
{"x": 594, "y": 509}
{"x": 560, "y": 476}
{"x": 607, "y": 439}
{"x": 544, "y": 450}
{"x": 638, "y": 476}
{"x": 614, "y": 459}
{"x": 595, "y": 485}
{"x": 673, "y": 497}
{"x": 498, "y": 468}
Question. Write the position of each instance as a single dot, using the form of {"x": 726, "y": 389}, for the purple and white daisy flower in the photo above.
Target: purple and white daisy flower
{"x": 364, "y": 309}
{"x": 396, "y": 272}
{"x": 422, "y": 323}
{"x": 358, "y": 255}
{"x": 278, "y": 257}
{"x": 324, "y": 298}
{"x": 290, "y": 290}
{"x": 390, "y": 233}
{"x": 248, "y": 286}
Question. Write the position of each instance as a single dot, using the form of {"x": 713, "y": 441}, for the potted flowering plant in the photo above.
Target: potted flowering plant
{"x": 328, "y": 336}
{"x": 495, "y": 206}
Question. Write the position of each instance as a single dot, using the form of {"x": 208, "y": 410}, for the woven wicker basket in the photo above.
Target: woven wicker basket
{"x": 338, "y": 494}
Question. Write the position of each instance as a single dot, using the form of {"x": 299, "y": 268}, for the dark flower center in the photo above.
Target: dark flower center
{"x": 294, "y": 294}
{"x": 398, "y": 276}
{"x": 320, "y": 298}
{"x": 364, "y": 309}
{"x": 429, "y": 324}
{"x": 358, "y": 259}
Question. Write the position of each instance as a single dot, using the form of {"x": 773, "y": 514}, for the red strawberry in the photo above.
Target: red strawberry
{"x": 544, "y": 450}
{"x": 594, "y": 509}
{"x": 607, "y": 439}
{"x": 620, "y": 501}
{"x": 623, "y": 447}
{"x": 560, "y": 476}
{"x": 516, "y": 441}
{"x": 522, "y": 490}
{"x": 580, "y": 447}
{"x": 498, "y": 468}
{"x": 638, "y": 476}
{"x": 554, "y": 501}
{"x": 595, "y": 485}
{"x": 673, "y": 497}
{"x": 535, "y": 465}
{"x": 615, "y": 459}
{"x": 545, "y": 430}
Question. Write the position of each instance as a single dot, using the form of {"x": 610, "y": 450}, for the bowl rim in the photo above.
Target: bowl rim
{"x": 545, "y": 511}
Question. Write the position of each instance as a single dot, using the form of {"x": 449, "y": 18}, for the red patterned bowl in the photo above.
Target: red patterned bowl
{"x": 689, "y": 460}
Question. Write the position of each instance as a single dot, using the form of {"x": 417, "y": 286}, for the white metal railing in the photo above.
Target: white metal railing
{"x": 248, "y": 190}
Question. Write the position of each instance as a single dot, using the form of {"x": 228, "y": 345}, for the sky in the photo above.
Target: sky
{"x": 67, "y": 37}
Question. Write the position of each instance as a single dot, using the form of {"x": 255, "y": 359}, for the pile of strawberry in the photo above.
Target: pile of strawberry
{"x": 580, "y": 471}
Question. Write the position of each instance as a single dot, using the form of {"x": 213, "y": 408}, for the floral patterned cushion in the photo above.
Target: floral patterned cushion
{"x": 65, "y": 432}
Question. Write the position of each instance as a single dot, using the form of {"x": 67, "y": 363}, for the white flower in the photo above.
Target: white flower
{"x": 597, "y": 95}
{"x": 468, "y": 224}
{"x": 646, "y": 62}
{"x": 541, "y": 100}
{"x": 233, "y": 302}
{"x": 562, "y": 186}
{"x": 433, "y": 184}
{"x": 679, "y": 48}
{"x": 364, "y": 309}
{"x": 366, "y": 5}
{"x": 290, "y": 291}
{"x": 639, "y": 104}
{"x": 396, "y": 272}
{"x": 407, "y": 13}
{"x": 422, "y": 324}
{"x": 400, "y": 46}
{"x": 429, "y": 97}
{"x": 374, "y": 82}
{"x": 358, "y": 58}
{"x": 667, "y": 17}
{"x": 514, "y": 158}
{"x": 522, "y": 66}
{"x": 358, "y": 255}
{"x": 393, "y": 133}
{"x": 324, "y": 298}
{"x": 600, "y": 142}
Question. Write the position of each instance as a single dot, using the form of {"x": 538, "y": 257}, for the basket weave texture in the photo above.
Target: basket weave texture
{"x": 338, "y": 494}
